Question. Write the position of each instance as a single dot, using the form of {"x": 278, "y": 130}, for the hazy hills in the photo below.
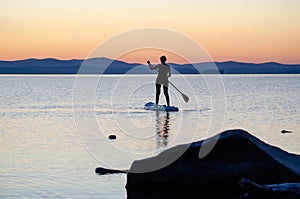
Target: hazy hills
{"x": 98, "y": 66}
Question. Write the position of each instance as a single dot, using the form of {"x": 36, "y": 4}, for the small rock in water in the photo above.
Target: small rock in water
{"x": 112, "y": 137}
{"x": 285, "y": 131}
{"x": 103, "y": 171}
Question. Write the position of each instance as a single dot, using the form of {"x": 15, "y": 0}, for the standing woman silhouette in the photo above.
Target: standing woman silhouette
{"x": 164, "y": 72}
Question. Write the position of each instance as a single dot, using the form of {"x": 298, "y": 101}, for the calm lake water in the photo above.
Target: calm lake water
{"x": 53, "y": 129}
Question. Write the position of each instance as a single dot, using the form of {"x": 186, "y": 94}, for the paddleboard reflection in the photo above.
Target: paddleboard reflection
{"x": 162, "y": 129}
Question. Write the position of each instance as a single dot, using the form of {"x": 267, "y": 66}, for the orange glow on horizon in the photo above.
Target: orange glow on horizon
{"x": 250, "y": 31}
{"x": 153, "y": 55}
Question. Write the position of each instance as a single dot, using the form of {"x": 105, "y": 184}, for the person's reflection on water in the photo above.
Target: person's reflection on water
{"x": 162, "y": 129}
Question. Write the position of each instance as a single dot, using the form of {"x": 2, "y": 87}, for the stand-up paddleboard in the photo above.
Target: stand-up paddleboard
{"x": 155, "y": 107}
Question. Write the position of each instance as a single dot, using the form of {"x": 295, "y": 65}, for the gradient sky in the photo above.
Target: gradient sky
{"x": 240, "y": 30}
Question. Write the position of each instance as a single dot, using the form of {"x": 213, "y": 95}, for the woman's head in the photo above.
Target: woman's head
{"x": 163, "y": 59}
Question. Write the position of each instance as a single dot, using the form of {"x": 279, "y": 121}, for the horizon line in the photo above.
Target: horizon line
{"x": 81, "y": 59}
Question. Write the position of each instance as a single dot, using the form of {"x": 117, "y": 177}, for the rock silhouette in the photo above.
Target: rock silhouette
{"x": 236, "y": 155}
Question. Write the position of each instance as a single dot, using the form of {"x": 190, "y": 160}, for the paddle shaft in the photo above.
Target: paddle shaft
{"x": 175, "y": 87}
{"x": 185, "y": 97}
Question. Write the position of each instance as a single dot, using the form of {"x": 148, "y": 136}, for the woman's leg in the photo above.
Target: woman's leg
{"x": 157, "y": 93}
{"x": 167, "y": 95}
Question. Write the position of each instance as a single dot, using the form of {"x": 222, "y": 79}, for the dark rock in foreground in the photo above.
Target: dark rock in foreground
{"x": 236, "y": 155}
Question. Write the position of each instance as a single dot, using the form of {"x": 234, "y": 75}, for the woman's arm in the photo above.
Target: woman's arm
{"x": 152, "y": 67}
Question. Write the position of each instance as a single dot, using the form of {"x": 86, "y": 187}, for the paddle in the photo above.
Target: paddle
{"x": 185, "y": 97}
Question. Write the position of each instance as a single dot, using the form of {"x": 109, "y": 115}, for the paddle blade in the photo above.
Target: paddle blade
{"x": 185, "y": 98}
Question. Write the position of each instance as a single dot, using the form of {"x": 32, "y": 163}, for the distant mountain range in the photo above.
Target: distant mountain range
{"x": 108, "y": 66}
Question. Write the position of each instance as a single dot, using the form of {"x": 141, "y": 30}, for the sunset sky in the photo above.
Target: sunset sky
{"x": 238, "y": 30}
